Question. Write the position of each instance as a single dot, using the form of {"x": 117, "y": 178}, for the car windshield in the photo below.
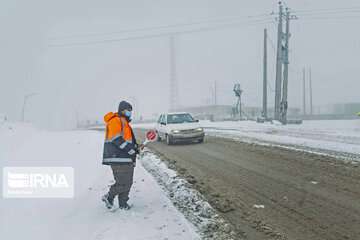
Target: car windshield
{"x": 179, "y": 118}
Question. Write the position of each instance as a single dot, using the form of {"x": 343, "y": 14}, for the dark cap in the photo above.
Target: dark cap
{"x": 124, "y": 105}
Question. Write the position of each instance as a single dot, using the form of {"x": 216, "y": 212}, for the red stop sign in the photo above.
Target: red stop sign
{"x": 151, "y": 135}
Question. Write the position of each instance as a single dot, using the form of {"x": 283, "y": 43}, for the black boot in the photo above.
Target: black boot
{"x": 109, "y": 202}
{"x": 124, "y": 206}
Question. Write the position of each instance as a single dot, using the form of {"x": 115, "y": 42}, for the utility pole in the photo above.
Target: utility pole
{"x": 304, "y": 92}
{"x": 26, "y": 97}
{"x": 310, "y": 89}
{"x": 240, "y": 108}
{"x": 284, "y": 103}
{"x": 282, "y": 58}
{"x": 264, "y": 111}
{"x": 278, "y": 64}
{"x": 173, "y": 80}
{"x": 77, "y": 118}
{"x": 215, "y": 93}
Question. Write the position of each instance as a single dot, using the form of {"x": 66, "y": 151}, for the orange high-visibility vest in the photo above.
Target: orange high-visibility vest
{"x": 116, "y": 126}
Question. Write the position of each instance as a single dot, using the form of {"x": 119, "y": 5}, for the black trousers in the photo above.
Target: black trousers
{"x": 123, "y": 176}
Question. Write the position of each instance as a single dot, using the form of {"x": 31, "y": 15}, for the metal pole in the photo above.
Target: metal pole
{"x": 278, "y": 65}
{"x": 284, "y": 103}
{"x": 23, "y": 110}
{"x": 215, "y": 93}
{"x": 304, "y": 92}
{"x": 264, "y": 113}
{"x": 173, "y": 81}
{"x": 240, "y": 109}
{"x": 310, "y": 88}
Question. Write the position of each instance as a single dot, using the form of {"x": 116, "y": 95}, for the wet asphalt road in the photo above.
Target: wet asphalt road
{"x": 269, "y": 192}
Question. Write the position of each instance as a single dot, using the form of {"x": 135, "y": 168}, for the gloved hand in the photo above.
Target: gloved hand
{"x": 138, "y": 148}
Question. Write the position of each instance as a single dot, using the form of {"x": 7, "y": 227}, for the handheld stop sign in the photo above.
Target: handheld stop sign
{"x": 150, "y": 136}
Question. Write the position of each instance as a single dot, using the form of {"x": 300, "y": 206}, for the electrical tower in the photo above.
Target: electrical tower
{"x": 310, "y": 112}
{"x": 310, "y": 93}
{"x": 215, "y": 93}
{"x": 173, "y": 80}
{"x": 304, "y": 92}
{"x": 237, "y": 90}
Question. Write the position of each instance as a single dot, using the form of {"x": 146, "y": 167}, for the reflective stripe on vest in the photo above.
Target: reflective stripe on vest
{"x": 115, "y": 137}
{"x": 117, "y": 160}
{"x": 123, "y": 145}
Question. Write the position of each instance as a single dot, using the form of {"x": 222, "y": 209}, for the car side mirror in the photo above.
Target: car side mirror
{"x": 196, "y": 120}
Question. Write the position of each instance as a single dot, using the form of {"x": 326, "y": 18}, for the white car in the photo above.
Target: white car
{"x": 179, "y": 127}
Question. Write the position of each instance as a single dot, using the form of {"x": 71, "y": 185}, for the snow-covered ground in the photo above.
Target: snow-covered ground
{"x": 153, "y": 216}
{"x": 332, "y": 136}
{"x": 194, "y": 206}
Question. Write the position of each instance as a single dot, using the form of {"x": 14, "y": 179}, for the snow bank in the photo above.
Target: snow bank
{"x": 153, "y": 216}
{"x": 338, "y": 138}
{"x": 189, "y": 201}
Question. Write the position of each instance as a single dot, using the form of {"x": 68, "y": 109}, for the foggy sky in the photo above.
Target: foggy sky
{"x": 89, "y": 80}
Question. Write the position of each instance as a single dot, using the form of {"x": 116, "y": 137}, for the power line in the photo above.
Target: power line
{"x": 330, "y": 18}
{"x": 149, "y": 36}
{"x": 327, "y": 10}
{"x": 329, "y": 13}
{"x": 306, "y": 15}
{"x": 142, "y": 29}
{"x": 315, "y": 12}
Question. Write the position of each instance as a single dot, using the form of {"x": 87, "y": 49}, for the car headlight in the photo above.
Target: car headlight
{"x": 199, "y": 129}
{"x": 175, "y": 131}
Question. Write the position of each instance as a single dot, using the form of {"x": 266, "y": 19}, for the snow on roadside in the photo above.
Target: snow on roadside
{"x": 153, "y": 216}
{"x": 188, "y": 200}
{"x": 337, "y": 138}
